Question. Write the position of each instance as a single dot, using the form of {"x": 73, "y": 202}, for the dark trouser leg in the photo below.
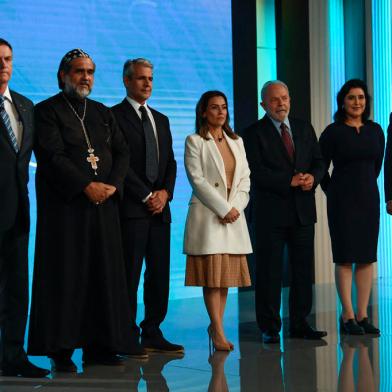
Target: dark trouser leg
{"x": 135, "y": 239}
{"x": 14, "y": 293}
{"x": 301, "y": 254}
{"x": 269, "y": 264}
{"x": 156, "y": 277}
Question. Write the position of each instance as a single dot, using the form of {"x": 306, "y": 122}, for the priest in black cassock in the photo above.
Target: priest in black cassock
{"x": 79, "y": 290}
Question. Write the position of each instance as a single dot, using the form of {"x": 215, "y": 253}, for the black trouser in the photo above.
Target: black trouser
{"x": 270, "y": 242}
{"x": 147, "y": 239}
{"x": 14, "y": 295}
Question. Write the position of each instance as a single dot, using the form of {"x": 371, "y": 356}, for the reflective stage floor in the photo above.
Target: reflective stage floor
{"x": 335, "y": 364}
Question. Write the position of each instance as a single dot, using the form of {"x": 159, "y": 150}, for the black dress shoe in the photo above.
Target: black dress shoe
{"x": 368, "y": 327}
{"x": 307, "y": 332}
{"x": 350, "y": 327}
{"x": 271, "y": 337}
{"x": 103, "y": 359}
{"x": 65, "y": 365}
{"x": 138, "y": 352}
{"x": 24, "y": 369}
{"x": 157, "y": 343}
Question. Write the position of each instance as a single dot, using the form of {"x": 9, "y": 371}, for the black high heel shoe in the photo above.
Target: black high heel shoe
{"x": 350, "y": 327}
{"x": 368, "y": 327}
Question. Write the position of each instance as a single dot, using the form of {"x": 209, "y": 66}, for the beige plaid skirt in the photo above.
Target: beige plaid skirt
{"x": 219, "y": 270}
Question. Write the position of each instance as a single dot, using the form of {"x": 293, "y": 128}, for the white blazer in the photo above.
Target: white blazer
{"x": 204, "y": 234}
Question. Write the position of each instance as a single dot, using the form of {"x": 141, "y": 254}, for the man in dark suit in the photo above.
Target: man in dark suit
{"x": 145, "y": 211}
{"x": 16, "y": 139}
{"x": 286, "y": 166}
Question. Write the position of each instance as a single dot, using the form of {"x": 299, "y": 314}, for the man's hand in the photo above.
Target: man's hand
{"x": 389, "y": 207}
{"x": 230, "y": 217}
{"x": 110, "y": 190}
{"x": 98, "y": 192}
{"x": 297, "y": 180}
{"x": 157, "y": 201}
{"x": 307, "y": 182}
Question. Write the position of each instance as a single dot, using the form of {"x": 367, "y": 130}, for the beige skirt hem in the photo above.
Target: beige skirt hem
{"x": 218, "y": 270}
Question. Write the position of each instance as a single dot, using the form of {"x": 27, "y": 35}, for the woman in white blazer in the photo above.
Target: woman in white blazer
{"x": 216, "y": 236}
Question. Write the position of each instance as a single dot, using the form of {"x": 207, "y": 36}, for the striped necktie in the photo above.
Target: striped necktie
{"x": 7, "y": 123}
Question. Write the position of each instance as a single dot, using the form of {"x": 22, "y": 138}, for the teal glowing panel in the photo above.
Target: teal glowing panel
{"x": 336, "y": 38}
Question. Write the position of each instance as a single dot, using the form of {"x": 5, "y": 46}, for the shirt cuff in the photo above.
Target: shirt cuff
{"x": 147, "y": 197}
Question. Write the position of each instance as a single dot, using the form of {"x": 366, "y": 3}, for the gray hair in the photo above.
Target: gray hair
{"x": 271, "y": 83}
{"x": 129, "y": 65}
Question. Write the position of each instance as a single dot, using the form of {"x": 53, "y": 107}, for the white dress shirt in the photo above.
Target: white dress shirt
{"x": 16, "y": 123}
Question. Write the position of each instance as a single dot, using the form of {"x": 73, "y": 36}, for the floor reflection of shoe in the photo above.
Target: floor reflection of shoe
{"x": 65, "y": 365}
{"x": 158, "y": 343}
{"x": 23, "y": 368}
{"x": 368, "y": 327}
{"x": 103, "y": 359}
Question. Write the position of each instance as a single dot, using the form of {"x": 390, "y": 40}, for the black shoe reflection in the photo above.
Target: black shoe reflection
{"x": 218, "y": 381}
{"x": 152, "y": 370}
{"x": 359, "y": 347}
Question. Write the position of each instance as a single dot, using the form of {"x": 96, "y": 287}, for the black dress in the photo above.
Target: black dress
{"x": 353, "y": 201}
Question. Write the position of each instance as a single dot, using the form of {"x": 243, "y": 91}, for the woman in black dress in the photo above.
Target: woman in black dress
{"x": 355, "y": 145}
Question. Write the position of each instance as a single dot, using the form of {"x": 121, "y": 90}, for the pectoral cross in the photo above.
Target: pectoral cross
{"x": 92, "y": 159}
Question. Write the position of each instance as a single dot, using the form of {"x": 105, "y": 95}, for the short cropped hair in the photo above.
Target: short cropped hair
{"x": 128, "y": 69}
{"x": 5, "y": 42}
{"x": 270, "y": 83}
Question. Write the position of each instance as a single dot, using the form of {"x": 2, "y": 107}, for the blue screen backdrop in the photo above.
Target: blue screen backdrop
{"x": 188, "y": 42}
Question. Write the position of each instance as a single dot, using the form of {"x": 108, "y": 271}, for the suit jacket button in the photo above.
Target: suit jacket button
{"x": 216, "y": 185}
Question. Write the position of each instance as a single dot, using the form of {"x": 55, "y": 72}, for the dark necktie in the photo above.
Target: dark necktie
{"x": 287, "y": 141}
{"x": 7, "y": 123}
{"x": 151, "y": 147}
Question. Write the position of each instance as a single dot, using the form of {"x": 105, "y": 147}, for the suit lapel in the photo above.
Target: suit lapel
{"x": 132, "y": 116}
{"x": 216, "y": 156}
{"x": 237, "y": 157}
{"x": 296, "y": 140}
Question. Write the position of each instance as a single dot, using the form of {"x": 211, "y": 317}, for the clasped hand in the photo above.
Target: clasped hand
{"x": 305, "y": 181}
{"x": 230, "y": 217}
{"x": 98, "y": 192}
{"x": 157, "y": 201}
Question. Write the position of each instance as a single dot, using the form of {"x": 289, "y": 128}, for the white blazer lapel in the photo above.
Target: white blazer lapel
{"x": 217, "y": 157}
{"x": 237, "y": 156}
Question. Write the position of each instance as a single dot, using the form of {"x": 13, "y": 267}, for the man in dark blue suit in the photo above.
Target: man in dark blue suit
{"x": 286, "y": 166}
{"x": 16, "y": 139}
{"x": 145, "y": 211}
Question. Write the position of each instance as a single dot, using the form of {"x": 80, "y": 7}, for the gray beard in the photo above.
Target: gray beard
{"x": 76, "y": 92}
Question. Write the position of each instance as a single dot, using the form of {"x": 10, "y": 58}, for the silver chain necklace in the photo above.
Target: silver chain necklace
{"x": 92, "y": 159}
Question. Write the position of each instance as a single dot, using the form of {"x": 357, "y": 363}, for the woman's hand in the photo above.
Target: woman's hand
{"x": 230, "y": 217}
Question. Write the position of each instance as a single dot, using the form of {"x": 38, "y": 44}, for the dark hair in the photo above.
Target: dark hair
{"x": 6, "y": 43}
{"x": 201, "y": 123}
{"x": 340, "y": 114}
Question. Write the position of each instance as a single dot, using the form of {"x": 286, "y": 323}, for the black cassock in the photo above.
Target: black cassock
{"x": 79, "y": 289}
